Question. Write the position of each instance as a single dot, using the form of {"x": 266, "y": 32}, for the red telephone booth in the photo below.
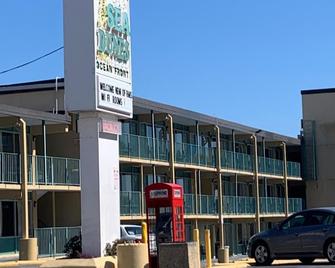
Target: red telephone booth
{"x": 165, "y": 216}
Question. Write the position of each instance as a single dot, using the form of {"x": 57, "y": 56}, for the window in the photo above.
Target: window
{"x": 320, "y": 217}
{"x": 297, "y": 221}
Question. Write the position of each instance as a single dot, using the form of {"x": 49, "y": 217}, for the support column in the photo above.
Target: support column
{"x": 258, "y": 219}
{"x": 100, "y": 182}
{"x": 196, "y": 198}
{"x": 28, "y": 246}
{"x": 44, "y": 135}
{"x": 234, "y": 148}
{"x": 142, "y": 189}
{"x": 153, "y": 134}
{"x": 219, "y": 179}
{"x": 172, "y": 169}
{"x": 199, "y": 181}
{"x": 285, "y": 180}
{"x": 33, "y": 161}
{"x": 198, "y": 140}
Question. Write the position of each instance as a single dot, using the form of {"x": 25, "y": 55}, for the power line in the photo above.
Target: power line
{"x": 32, "y": 61}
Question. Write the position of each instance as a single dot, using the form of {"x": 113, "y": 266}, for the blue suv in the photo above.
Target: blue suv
{"x": 305, "y": 235}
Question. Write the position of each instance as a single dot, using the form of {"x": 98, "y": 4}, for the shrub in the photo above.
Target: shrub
{"x": 72, "y": 248}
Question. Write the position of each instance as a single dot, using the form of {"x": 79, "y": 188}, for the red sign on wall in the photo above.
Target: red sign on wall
{"x": 111, "y": 127}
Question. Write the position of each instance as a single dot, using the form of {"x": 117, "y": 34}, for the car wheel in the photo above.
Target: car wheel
{"x": 330, "y": 251}
{"x": 306, "y": 261}
{"x": 262, "y": 254}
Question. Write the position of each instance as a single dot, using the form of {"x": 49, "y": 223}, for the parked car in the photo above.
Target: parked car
{"x": 305, "y": 235}
{"x": 131, "y": 232}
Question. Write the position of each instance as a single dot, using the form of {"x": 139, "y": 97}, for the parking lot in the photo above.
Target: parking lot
{"x": 282, "y": 264}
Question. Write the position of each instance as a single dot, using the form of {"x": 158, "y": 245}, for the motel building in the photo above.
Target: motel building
{"x": 260, "y": 171}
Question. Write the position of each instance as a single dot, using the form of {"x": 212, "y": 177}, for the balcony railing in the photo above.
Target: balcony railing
{"x": 142, "y": 147}
{"x": 186, "y": 153}
{"x": 293, "y": 169}
{"x": 276, "y": 205}
{"x": 295, "y": 205}
{"x": 62, "y": 171}
{"x": 239, "y": 205}
{"x": 51, "y": 241}
{"x": 130, "y": 203}
{"x": 208, "y": 205}
{"x": 9, "y": 245}
{"x": 189, "y": 204}
{"x": 193, "y": 154}
{"x": 270, "y": 166}
{"x": 272, "y": 205}
{"x": 10, "y": 168}
{"x": 59, "y": 171}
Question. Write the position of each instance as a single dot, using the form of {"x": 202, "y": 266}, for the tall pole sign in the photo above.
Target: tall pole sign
{"x": 97, "y": 56}
{"x": 98, "y": 87}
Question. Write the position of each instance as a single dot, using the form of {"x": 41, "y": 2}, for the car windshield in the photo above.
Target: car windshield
{"x": 133, "y": 230}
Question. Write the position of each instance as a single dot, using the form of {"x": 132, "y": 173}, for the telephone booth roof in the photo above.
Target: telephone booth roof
{"x": 163, "y": 194}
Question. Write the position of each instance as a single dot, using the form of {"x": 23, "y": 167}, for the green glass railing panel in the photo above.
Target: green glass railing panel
{"x": 227, "y": 159}
{"x": 9, "y": 245}
{"x": 189, "y": 204}
{"x": 229, "y": 205}
{"x": 10, "y": 168}
{"x": 293, "y": 169}
{"x": 63, "y": 171}
{"x": 270, "y": 166}
{"x": 279, "y": 167}
{"x": 161, "y": 150}
{"x": 207, "y": 156}
{"x": 124, "y": 145}
{"x": 130, "y": 203}
{"x": 59, "y": 170}
{"x": 238, "y": 205}
{"x": 133, "y": 146}
{"x": 272, "y": 205}
{"x": 186, "y": 153}
{"x": 142, "y": 147}
{"x": 208, "y": 205}
{"x": 146, "y": 147}
{"x": 73, "y": 171}
{"x": 51, "y": 241}
{"x": 261, "y": 165}
{"x": 244, "y": 162}
{"x": 295, "y": 204}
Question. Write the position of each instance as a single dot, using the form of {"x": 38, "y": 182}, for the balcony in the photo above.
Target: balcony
{"x": 193, "y": 154}
{"x": 295, "y": 205}
{"x": 59, "y": 171}
{"x": 9, "y": 245}
{"x": 130, "y": 203}
{"x": 51, "y": 241}
{"x": 208, "y": 205}
{"x": 293, "y": 169}
{"x": 142, "y": 147}
{"x": 276, "y": 205}
{"x": 272, "y": 205}
{"x": 239, "y": 205}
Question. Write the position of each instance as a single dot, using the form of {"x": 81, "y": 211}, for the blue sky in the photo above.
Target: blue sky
{"x": 240, "y": 60}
